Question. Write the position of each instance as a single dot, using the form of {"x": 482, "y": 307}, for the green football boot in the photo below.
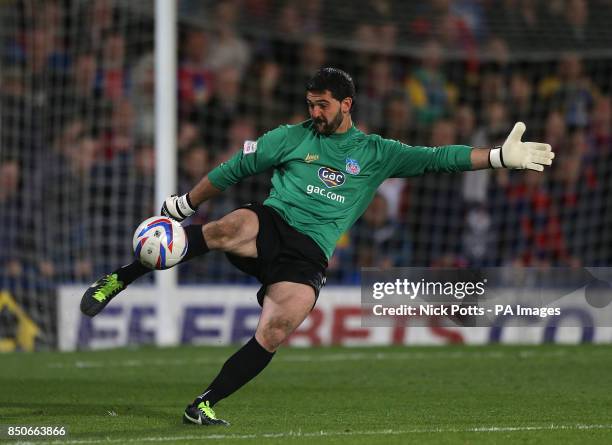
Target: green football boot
{"x": 99, "y": 294}
{"x": 202, "y": 414}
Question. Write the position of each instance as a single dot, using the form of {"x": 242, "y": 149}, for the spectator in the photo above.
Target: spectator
{"x": 443, "y": 133}
{"x": 577, "y": 195}
{"x": 217, "y": 115}
{"x": 472, "y": 14}
{"x": 570, "y": 91}
{"x": 465, "y": 124}
{"x": 312, "y": 55}
{"x": 429, "y": 93}
{"x": 265, "y": 84}
{"x": 519, "y": 22}
{"x": 495, "y": 128}
{"x": 440, "y": 20}
{"x": 436, "y": 228}
{"x": 601, "y": 125}
{"x": 66, "y": 232}
{"x": 479, "y": 237}
{"x": 11, "y": 218}
{"x": 575, "y": 28}
{"x": 143, "y": 182}
{"x": 365, "y": 40}
{"x": 492, "y": 133}
{"x": 119, "y": 138}
{"x": 40, "y": 51}
{"x": 188, "y": 135}
{"x": 455, "y": 36}
{"x": 98, "y": 20}
{"x": 599, "y": 160}
{"x": 397, "y": 122}
{"x": 555, "y": 131}
{"x": 380, "y": 82}
{"x": 376, "y": 240}
{"x": 81, "y": 97}
{"x": 195, "y": 74}
{"x": 194, "y": 164}
{"x": 229, "y": 50}
{"x": 391, "y": 189}
{"x": 493, "y": 85}
{"x": 14, "y": 112}
{"x": 310, "y": 16}
{"x": 520, "y": 101}
{"x": 289, "y": 22}
{"x": 540, "y": 240}
{"x": 427, "y": 16}
{"x": 371, "y": 42}
{"x": 144, "y": 98}
{"x": 113, "y": 79}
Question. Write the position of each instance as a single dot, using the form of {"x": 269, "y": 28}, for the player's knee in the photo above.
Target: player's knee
{"x": 221, "y": 234}
{"x": 275, "y": 332}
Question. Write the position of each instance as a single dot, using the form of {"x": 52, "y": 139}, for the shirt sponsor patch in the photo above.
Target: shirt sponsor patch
{"x": 249, "y": 147}
{"x": 331, "y": 177}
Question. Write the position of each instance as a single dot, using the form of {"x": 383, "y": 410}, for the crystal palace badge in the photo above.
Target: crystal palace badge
{"x": 352, "y": 167}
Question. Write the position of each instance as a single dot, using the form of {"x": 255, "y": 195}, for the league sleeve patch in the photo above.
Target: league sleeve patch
{"x": 249, "y": 147}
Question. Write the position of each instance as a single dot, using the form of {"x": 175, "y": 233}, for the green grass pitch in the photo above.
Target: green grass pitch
{"x": 392, "y": 395}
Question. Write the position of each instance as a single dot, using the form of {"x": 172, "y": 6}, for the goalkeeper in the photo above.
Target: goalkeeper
{"x": 326, "y": 172}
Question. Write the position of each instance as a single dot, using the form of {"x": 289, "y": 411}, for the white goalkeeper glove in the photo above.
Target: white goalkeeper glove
{"x": 177, "y": 207}
{"x": 521, "y": 155}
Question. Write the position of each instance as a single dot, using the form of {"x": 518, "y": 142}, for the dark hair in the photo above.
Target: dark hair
{"x": 339, "y": 83}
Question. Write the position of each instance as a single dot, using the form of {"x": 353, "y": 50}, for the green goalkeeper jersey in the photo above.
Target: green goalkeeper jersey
{"x": 323, "y": 183}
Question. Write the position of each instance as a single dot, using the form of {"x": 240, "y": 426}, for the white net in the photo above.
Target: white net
{"x": 77, "y": 126}
{"x": 76, "y": 146}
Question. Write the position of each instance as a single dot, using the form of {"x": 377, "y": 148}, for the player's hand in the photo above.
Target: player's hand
{"x": 177, "y": 207}
{"x": 521, "y": 155}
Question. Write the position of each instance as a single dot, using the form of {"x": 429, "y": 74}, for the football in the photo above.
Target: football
{"x": 159, "y": 242}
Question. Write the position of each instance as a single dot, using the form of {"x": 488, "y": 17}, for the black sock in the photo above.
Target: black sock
{"x": 134, "y": 270}
{"x": 196, "y": 246}
{"x": 238, "y": 370}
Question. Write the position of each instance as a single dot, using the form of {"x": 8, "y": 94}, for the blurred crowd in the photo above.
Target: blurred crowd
{"x": 77, "y": 126}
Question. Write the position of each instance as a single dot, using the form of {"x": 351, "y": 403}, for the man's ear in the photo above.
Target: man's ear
{"x": 346, "y": 104}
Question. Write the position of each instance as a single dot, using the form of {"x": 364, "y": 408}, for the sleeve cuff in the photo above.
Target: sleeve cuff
{"x": 495, "y": 158}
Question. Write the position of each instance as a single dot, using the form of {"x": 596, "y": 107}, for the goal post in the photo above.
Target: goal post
{"x": 165, "y": 149}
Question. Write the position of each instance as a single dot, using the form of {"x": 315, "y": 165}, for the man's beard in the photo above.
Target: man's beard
{"x": 328, "y": 128}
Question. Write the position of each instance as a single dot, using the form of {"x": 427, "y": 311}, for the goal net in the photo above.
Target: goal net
{"x": 77, "y": 127}
{"x": 76, "y": 149}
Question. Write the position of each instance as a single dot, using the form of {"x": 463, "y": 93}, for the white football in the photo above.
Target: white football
{"x": 159, "y": 242}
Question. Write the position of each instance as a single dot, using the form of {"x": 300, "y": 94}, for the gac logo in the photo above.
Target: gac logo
{"x": 331, "y": 177}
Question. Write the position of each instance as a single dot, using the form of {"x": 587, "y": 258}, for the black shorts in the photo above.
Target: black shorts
{"x": 283, "y": 254}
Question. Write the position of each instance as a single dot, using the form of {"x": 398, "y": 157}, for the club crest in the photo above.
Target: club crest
{"x": 352, "y": 167}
